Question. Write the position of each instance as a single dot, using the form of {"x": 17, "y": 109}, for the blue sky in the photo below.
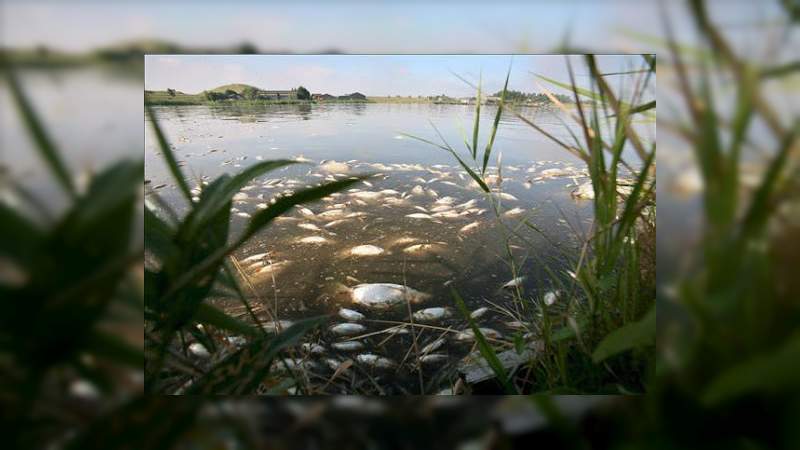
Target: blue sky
{"x": 370, "y": 74}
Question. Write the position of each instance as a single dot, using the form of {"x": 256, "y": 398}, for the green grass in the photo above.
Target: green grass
{"x": 602, "y": 334}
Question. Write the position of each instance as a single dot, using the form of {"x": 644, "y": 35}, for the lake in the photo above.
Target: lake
{"x": 427, "y": 225}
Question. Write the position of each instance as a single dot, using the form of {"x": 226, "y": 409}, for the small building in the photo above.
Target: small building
{"x": 278, "y": 95}
{"x": 322, "y": 97}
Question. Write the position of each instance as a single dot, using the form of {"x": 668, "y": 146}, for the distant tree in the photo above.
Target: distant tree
{"x": 171, "y": 92}
{"x": 250, "y": 93}
{"x": 303, "y": 94}
{"x": 230, "y": 93}
{"x": 213, "y": 96}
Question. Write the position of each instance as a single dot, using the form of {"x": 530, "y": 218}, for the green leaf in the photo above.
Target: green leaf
{"x": 172, "y": 162}
{"x": 486, "y": 350}
{"x": 25, "y": 236}
{"x": 627, "y": 337}
{"x": 476, "y": 125}
{"x": 214, "y": 199}
{"x": 44, "y": 144}
{"x": 488, "y": 151}
{"x": 211, "y": 315}
{"x": 774, "y": 372}
{"x": 464, "y": 165}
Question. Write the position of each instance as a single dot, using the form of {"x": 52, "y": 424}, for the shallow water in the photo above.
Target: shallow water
{"x": 409, "y": 177}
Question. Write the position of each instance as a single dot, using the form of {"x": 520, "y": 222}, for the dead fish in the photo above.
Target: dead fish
{"x": 309, "y": 226}
{"x": 385, "y": 295}
{"x": 517, "y": 325}
{"x": 505, "y": 196}
{"x": 433, "y": 346}
{"x": 331, "y": 214}
{"x": 403, "y": 241}
{"x": 313, "y": 348}
{"x": 422, "y": 216}
{"x": 199, "y": 350}
{"x": 348, "y": 329}
{"x": 256, "y": 257}
{"x": 236, "y": 341}
{"x": 244, "y": 214}
{"x": 469, "y": 228}
{"x": 432, "y": 314}
{"x": 551, "y": 297}
{"x": 276, "y": 326}
{"x": 305, "y": 211}
{"x": 366, "y": 250}
{"x": 469, "y": 335}
{"x": 514, "y": 283}
{"x": 433, "y": 358}
{"x": 336, "y": 223}
{"x": 349, "y": 314}
{"x": 241, "y": 196}
{"x": 335, "y": 167}
{"x": 315, "y": 240}
{"x": 273, "y": 268}
{"x": 367, "y": 195}
{"x": 348, "y": 346}
{"x": 418, "y": 248}
{"x": 282, "y": 365}
{"x": 441, "y": 208}
{"x": 478, "y": 312}
{"x": 159, "y": 186}
{"x": 379, "y": 362}
{"x": 255, "y": 265}
{"x": 513, "y": 212}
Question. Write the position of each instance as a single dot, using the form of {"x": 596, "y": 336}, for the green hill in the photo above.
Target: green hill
{"x": 236, "y": 87}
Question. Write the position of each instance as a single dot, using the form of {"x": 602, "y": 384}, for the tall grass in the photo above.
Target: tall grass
{"x": 601, "y": 336}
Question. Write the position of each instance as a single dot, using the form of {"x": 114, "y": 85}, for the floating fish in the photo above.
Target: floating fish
{"x": 514, "y": 283}
{"x": 313, "y": 348}
{"x": 385, "y": 295}
{"x": 513, "y": 212}
{"x": 422, "y": 216}
{"x": 315, "y": 240}
{"x": 348, "y": 346}
{"x": 244, "y": 214}
{"x": 241, "y": 196}
{"x": 505, "y": 196}
{"x": 551, "y": 297}
{"x": 336, "y": 223}
{"x": 305, "y": 211}
{"x": 199, "y": 350}
{"x": 469, "y": 335}
{"x": 309, "y": 226}
{"x": 236, "y": 341}
{"x": 349, "y": 314}
{"x": 348, "y": 329}
{"x": 420, "y": 248}
{"x": 276, "y": 326}
{"x": 432, "y": 314}
{"x": 331, "y": 214}
{"x": 469, "y": 228}
{"x": 380, "y": 362}
{"x": 256, "y": 257}
{"x": 478, "y": 312}
{"x": 433, "y": 346}
{"x": 433, "y": 358}
{"x": 366, "y": 250}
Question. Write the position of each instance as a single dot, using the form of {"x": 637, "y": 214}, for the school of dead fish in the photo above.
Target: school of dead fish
{"x": 367, "y": 298}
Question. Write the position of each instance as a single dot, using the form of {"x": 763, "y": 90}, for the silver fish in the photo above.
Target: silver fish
{"x": 348, "y": 346}
{"x": 349, "y": 314}
{"x": 372, "y": 360}
{"x": 385, "y": 295}
{"x": 432, "y": 314}
{"x": 348, "y": 329}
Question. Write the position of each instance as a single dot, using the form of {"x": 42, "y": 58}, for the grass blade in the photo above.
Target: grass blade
{"x": 44, "y": 144}
{"x": 166, "y": 150}
{"x": 627, "y": 337}
{"x": 486, "y": 350}
{"x": 488, "y": 151}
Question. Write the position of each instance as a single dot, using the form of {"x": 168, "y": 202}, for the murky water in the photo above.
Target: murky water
{"x": 430, "y": 225}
